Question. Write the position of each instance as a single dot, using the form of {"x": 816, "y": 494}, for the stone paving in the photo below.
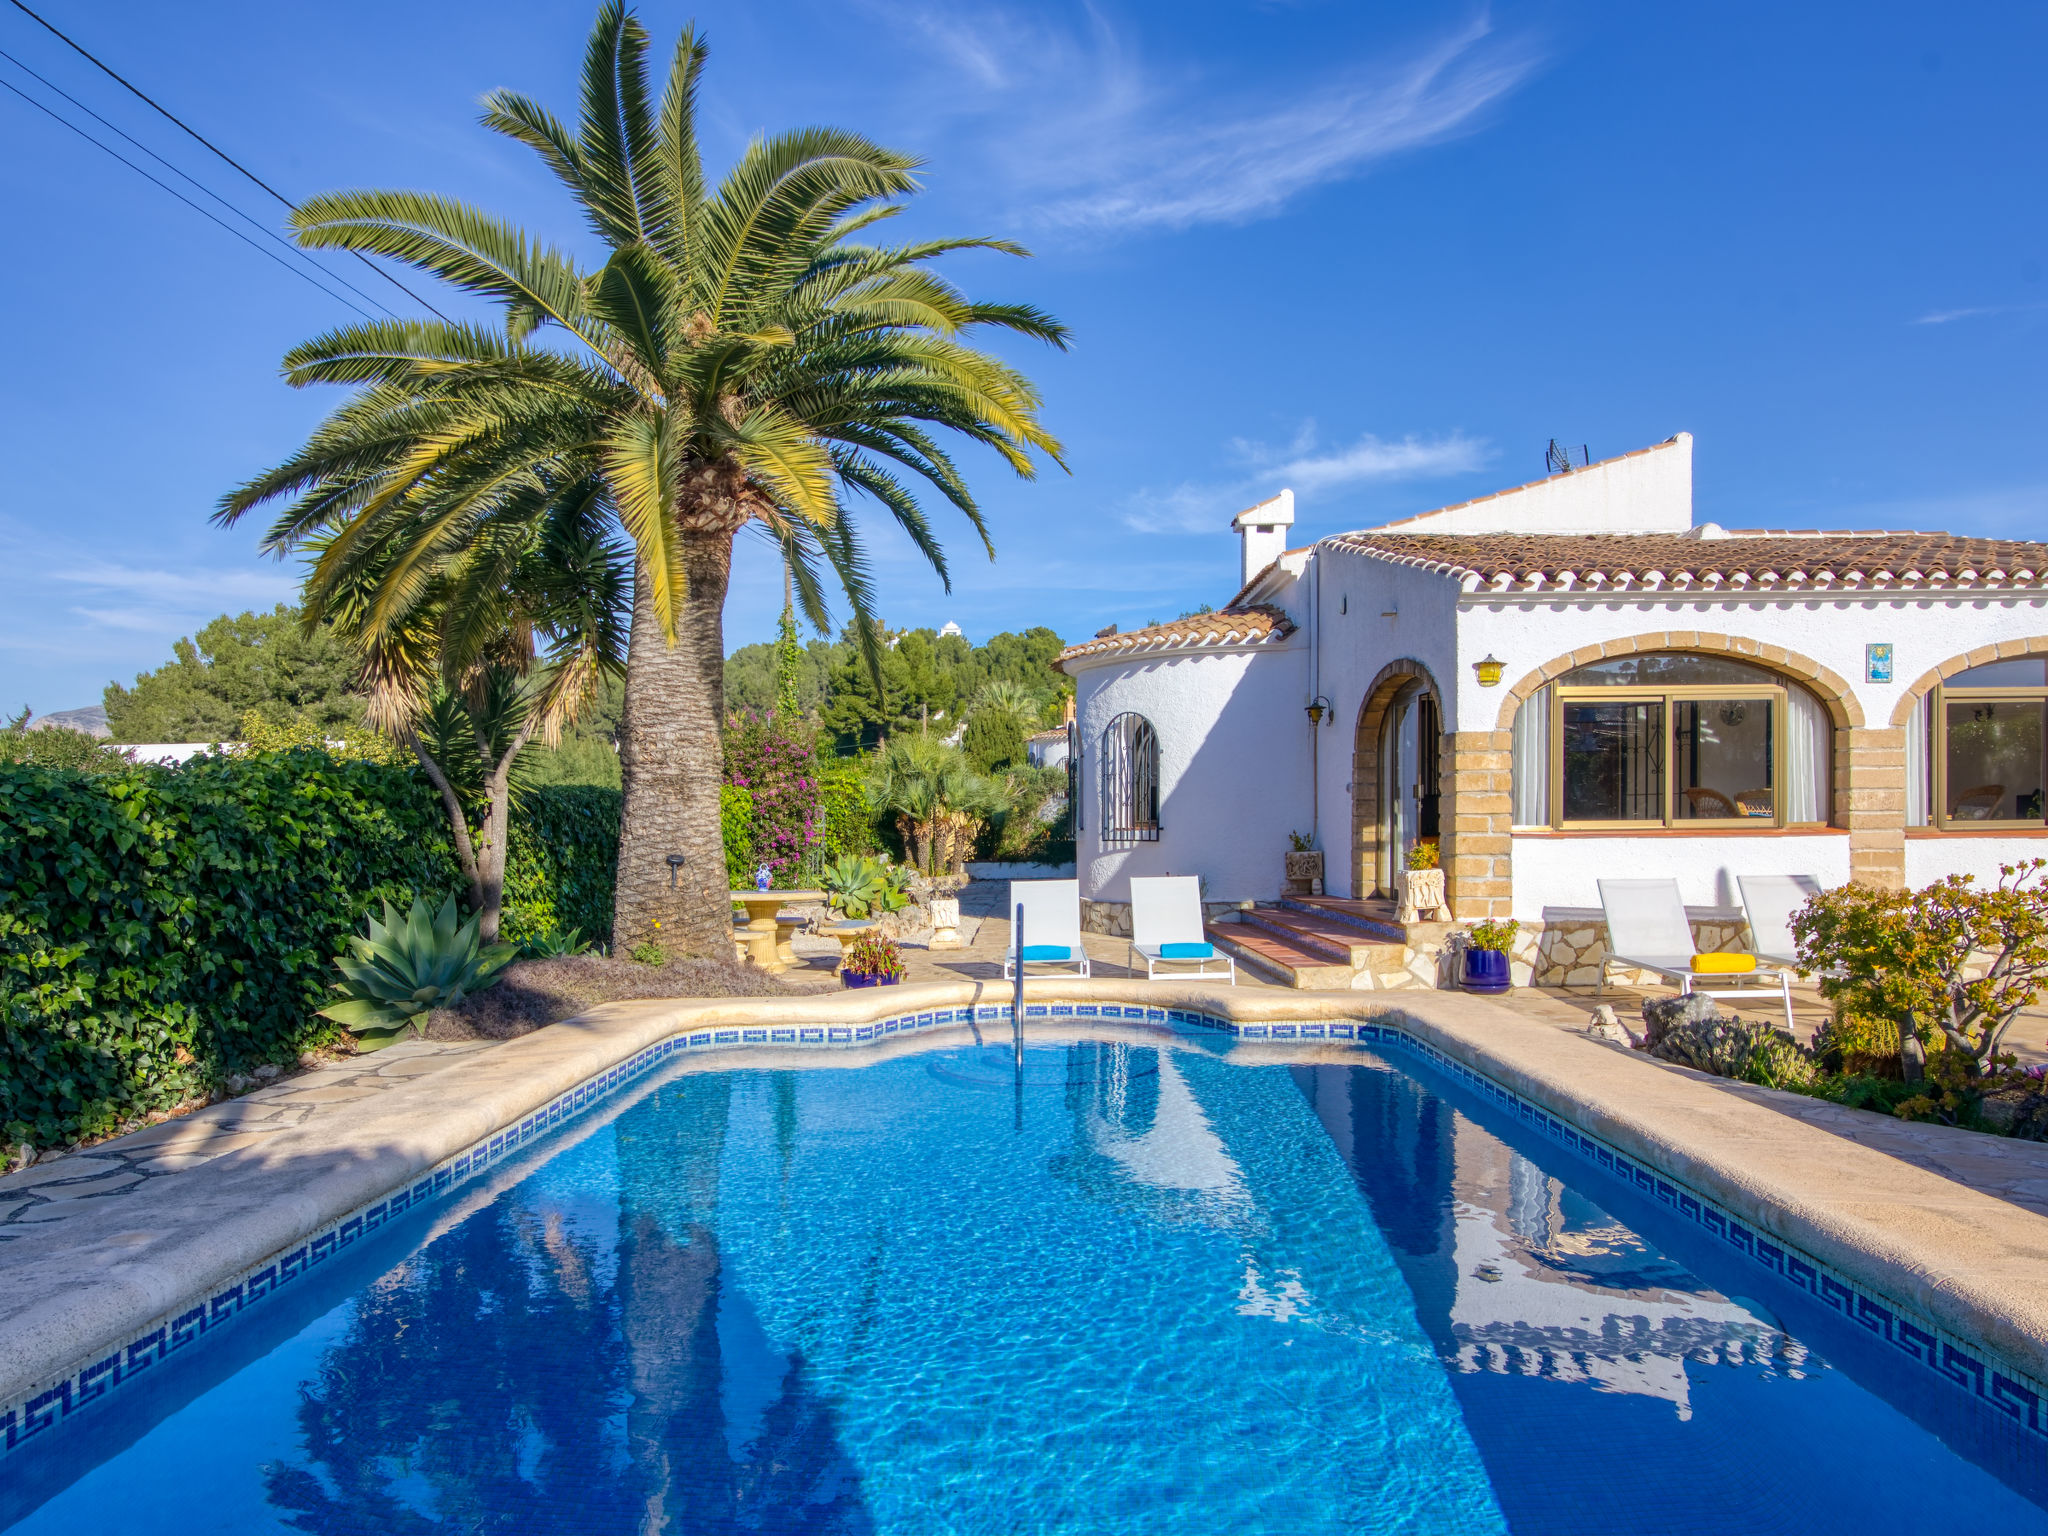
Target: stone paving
{"x": 38, "y": 1201}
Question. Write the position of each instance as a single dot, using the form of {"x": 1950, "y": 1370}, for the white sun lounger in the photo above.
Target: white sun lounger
{"x": 1647, "y": 931}
{"x": 1769, "y": 902}
{"x": 1052, "y": 926}
{"x": 1166, "y": 928}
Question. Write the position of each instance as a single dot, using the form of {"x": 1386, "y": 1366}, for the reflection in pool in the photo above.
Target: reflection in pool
{"x": 1146, "y": 1288}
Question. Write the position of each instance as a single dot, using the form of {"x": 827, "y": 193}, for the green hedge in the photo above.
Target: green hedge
{"x": 562, "y": 862}
{"x": 161, "y": 929}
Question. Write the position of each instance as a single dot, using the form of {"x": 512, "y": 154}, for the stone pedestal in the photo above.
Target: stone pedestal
{"x": 1420, "y": 891}
{"x": 945, "y": 922}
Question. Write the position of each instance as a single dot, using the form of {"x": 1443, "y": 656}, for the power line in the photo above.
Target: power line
{"x": 172, "y": 117}
{"x": 299, "y": 272}
{"x": 261, "y": 228}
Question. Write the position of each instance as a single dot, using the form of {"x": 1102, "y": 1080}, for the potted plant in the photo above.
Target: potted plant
{"x": 1486, "y": 956}
{"x": 1304, "y": 866}
{"x": 1420, "y": 887}
{"x": 872, "y": 961}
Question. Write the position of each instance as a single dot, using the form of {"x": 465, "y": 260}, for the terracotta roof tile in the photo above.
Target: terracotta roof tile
{"x": 1253, "y": 624}
{"x": 1504, "y": 562}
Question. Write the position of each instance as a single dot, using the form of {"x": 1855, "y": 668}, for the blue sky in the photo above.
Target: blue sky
{"x": 1379, "y": 253}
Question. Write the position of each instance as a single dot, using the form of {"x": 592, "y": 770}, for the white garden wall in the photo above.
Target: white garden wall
{"x": 1233, "y": 766}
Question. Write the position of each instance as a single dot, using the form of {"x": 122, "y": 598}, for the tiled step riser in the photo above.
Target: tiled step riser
{"x": 1337, "y": 951}
{"x": 1307, "y": 973}
{"x": 1384, "y": 932}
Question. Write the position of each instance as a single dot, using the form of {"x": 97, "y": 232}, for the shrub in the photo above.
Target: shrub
{"x": 993, "y": 741}
{"x": 847, "y": 825}
{"x": 160, "y": 929}
{"x": 775, "y": 759}
{"x": 561, "y": 862}
{"x": 58, "y": 746}
{"x": 1693, "y": 1032}
{"x": 736, "y": 825}
{"x": 1948, "y": 958}
{"x": 163, "y": 929}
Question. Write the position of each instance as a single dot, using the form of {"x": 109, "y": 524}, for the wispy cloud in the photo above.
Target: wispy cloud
{"x": 1949, "y": 316}
{"x": 1109, "y": 145}
{"x": 182, "y": 589}
{"x": 1305, "y": 466}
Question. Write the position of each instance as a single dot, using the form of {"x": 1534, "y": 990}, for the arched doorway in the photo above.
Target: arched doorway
{"x": 1397, "y": 775}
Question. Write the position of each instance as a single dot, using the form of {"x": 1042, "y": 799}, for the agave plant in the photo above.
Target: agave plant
{"x": 858, "y": 887}
{"x": 554, "y": 944}
{"x": 410, "y": 966}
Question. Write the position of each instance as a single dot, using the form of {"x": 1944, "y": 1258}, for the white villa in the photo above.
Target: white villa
{"x": 1557, "y": 681}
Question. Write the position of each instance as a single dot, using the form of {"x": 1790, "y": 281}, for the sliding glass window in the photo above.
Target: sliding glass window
{"x": 1671, "y": 739}
{"x": 1989, "y": 744}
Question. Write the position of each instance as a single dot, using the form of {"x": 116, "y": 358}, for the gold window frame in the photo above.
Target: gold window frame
{"x": 1668, "y": 697}
{"x": 1937, "y": 751}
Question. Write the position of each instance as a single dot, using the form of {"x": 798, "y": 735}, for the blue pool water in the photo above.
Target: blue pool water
{"x": 1151, "y": 1287}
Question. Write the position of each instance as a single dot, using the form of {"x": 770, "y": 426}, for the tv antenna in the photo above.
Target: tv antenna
{"x": 1558, "y": 459}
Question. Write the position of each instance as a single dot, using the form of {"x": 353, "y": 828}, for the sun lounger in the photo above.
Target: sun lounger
{"x": 1051, "y": 930}
{"x": 1647, "y": 931}
{"x": 1769, "y": 901}
{"x": 1166, "y": 928}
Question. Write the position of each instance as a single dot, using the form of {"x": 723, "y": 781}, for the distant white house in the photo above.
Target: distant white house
{"x": 1568, "y": 679}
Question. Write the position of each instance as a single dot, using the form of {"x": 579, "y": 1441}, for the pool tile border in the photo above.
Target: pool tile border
{"x": 1956, "y": 1361}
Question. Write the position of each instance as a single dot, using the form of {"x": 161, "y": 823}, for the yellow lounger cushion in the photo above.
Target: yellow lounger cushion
{"x": 1722, "y": 965}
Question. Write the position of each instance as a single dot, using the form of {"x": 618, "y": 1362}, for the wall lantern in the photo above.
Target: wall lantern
{"x": 1318, "y": 707}
{"x": 1489, "y": 670}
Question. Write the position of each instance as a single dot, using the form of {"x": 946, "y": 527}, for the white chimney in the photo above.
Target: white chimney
{"x": 1264, "y": 531}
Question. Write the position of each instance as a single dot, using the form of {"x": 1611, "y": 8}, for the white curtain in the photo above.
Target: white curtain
{"x": 1807, "y": 733}
{"x": 1917, "y": 795}
{"x": 1532, "y": 761}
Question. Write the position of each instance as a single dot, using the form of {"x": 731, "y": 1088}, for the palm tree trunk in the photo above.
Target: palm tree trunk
{"x": 497, "y": 838}
{"x": 672, "y": 762}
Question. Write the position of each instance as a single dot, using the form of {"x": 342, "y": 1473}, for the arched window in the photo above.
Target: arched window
{"x": 1984, "y": 736}
{"x": 1671, "y": 739}
{"x": 1130, "y": 781}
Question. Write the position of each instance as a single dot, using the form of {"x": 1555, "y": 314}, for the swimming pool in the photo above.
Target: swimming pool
{"x": 1147, "y": 1283}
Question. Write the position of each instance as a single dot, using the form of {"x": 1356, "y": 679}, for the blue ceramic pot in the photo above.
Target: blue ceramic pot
{"x": 863, "y": 979}
{"x": 1486, "y": 970}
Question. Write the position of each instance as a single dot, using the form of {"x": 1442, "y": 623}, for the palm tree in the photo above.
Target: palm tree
{"x": 503, "y": 639}
{"x": 937, "y": 798}
{"x": 740, "y": 359}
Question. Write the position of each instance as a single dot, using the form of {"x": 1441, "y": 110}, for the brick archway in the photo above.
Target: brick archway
{"x": 1365, "y": 765}
{"x": 2036, "y": 645}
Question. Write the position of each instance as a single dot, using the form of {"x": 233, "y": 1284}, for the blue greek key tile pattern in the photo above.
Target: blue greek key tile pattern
{"x": 2003, "y": 1388}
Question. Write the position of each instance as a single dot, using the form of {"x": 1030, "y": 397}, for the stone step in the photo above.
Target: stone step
{"x": 1334, "y": 941}
{"x": 1267, "y": 953}
{"x": 1373, "y": 917}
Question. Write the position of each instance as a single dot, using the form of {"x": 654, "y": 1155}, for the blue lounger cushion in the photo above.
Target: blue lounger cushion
{"x": 1187, "y": 951}
{"x": 1046, "y": 952}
